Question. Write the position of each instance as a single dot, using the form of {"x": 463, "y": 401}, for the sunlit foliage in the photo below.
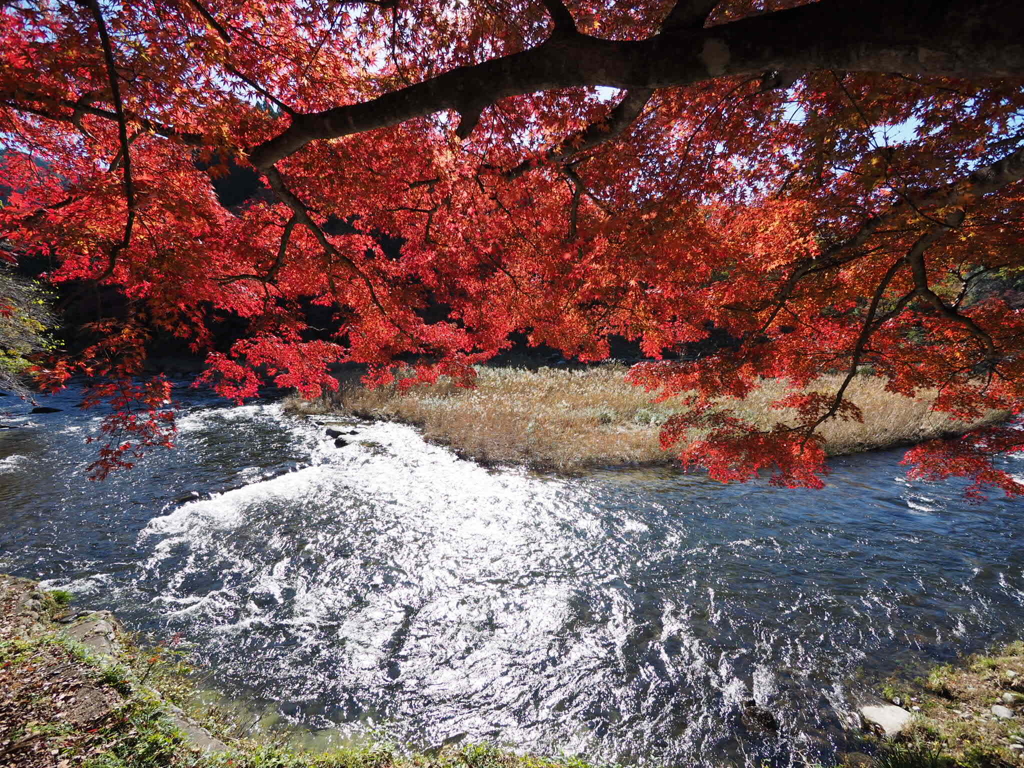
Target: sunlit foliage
{"x": 825, "y": 182}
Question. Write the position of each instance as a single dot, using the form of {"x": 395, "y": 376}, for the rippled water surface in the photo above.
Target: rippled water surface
{"x": 626, "y": 616}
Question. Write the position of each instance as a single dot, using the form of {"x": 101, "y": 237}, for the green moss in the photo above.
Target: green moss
{"x": 895, "y": 692}
{"x": 938, "y": 680}
{"x": 982, "y": 663}
{"x": 61, "y": 597}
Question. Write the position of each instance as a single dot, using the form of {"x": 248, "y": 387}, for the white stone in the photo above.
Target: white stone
{"x": 888, "y": 719}
{"x": 1001, "y": 712}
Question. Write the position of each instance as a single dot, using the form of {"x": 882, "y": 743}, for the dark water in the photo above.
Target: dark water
{"x": 623, "y": 616}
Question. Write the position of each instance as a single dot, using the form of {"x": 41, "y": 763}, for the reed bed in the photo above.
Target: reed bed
{"x": 568, "y": 420}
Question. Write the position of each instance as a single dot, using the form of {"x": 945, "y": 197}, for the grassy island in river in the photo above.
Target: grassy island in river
{"x": 568, "y": 420}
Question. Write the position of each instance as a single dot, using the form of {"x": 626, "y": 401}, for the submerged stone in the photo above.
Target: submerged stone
{"x": 758, "y": 718}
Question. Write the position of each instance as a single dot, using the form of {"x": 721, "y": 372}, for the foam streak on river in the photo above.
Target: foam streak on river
{"x": 625, "y": 615}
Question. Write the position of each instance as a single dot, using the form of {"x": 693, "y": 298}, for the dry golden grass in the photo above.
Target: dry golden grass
{"x": 569, "y": 420}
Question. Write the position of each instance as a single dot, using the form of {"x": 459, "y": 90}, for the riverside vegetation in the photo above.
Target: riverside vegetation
{"x": 968, "y": 714}
{"x": 66, "y": 703}
{"x": 568, "y": 420}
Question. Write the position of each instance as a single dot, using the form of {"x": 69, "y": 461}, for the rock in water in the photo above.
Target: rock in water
{"x": 887, "y": 719}
{"x": 45, "y": 409}
{"x": 340, "y": 442}
{"x": 758, "y": 718}
{"x": 1001, "y": 712}
{"x": 334, "y": 433}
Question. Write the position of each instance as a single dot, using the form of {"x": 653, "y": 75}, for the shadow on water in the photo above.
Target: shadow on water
{"x": 629, "y": 615}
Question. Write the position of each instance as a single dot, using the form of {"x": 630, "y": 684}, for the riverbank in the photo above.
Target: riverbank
{"x": 970, "y": 713}
{"x": 76, "y": 690}
{"x": 570, "y": 420}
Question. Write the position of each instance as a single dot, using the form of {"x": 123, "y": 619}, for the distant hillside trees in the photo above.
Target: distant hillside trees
{"x": 25, "y": 318}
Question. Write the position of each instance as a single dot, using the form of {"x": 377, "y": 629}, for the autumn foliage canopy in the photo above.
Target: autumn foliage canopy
{"x": 836, "y": 185}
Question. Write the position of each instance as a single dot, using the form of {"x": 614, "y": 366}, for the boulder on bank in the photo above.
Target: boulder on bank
{"x": 887, "y": 720}
{"x": 98, "y": 632}
{"x": 1001, "y": 712}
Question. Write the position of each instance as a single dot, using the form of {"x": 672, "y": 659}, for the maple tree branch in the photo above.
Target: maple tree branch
{"x": 867, "y": 329}
{"x": 225, "y": 36}
{"x": 210, "y": 19}
{"x": 16, "y": 100}
{"x": 302, "y": 215}
{"x": 962, "y": 192}
{"x": 955, "y": 38}
{"x": 618, "y": 120}
{"x": 571, "y": 173}
{"x": 915, "y": 259}
{"x": 574, "y": 205}
{"x": 922, "y": 288}
{"x": 259, "y": 89}
{"x": 282, "y": 249}
{"x": 564, "y": 23}
{"x": 688, "y": 14}
{"x": 125, "y": 156}
{"x": 468, "y": 120}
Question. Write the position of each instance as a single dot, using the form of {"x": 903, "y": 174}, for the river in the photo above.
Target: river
{"x": 388, "y": 587}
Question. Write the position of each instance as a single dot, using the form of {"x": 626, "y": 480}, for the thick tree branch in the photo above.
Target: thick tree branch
{"x": 564, "y": 23}
{"x": 959, "y": 38}
{"x": 688, "y": 14}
